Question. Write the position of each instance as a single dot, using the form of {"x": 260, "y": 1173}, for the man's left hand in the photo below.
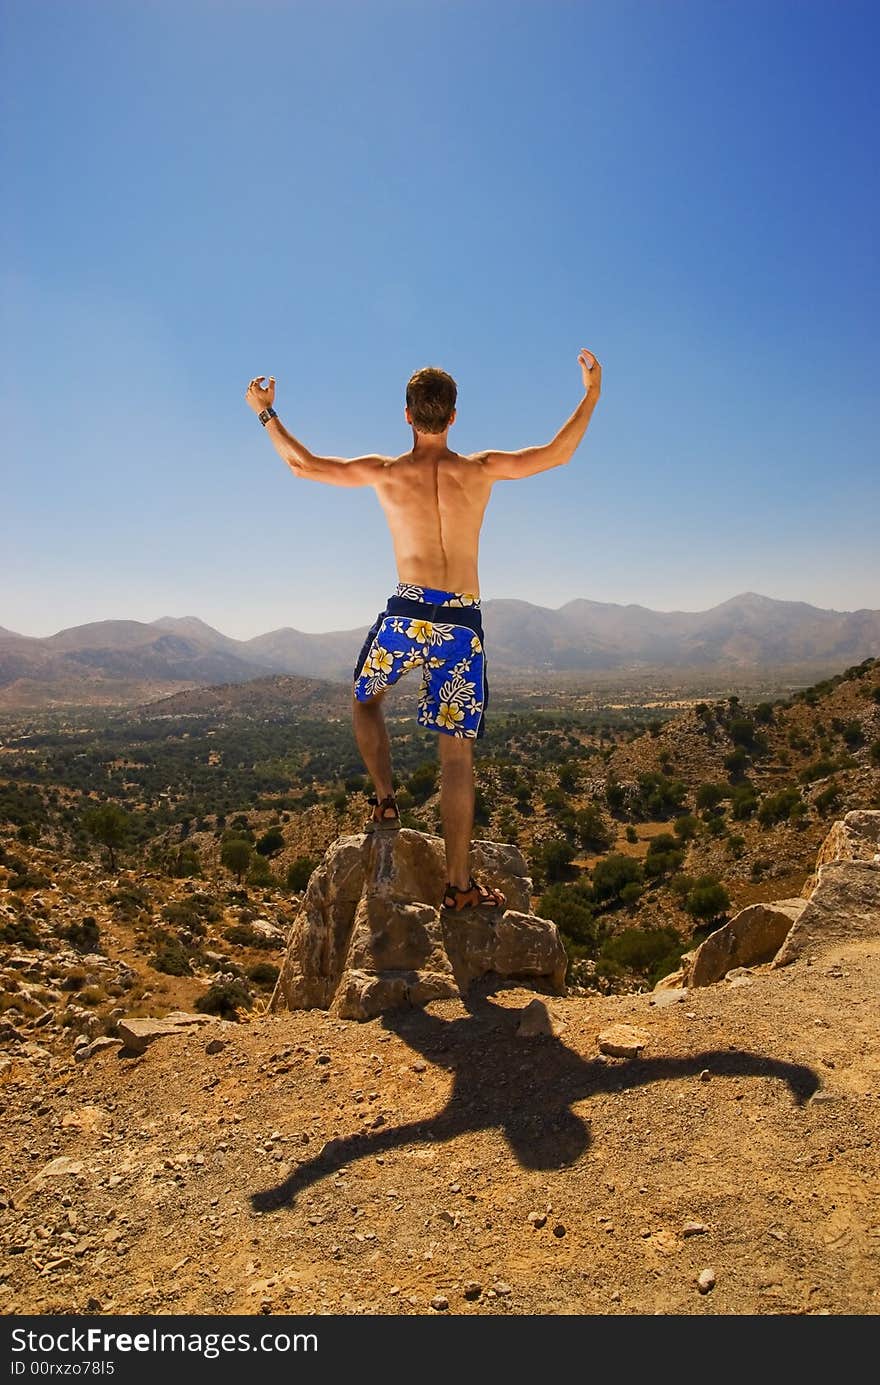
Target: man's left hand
{"x": 260, "y": 396}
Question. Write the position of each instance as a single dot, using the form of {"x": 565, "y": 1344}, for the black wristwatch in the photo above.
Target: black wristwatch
{"x": 266, "y": 414}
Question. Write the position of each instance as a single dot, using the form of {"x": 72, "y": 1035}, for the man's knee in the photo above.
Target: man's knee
{"x": 458, "y": 749}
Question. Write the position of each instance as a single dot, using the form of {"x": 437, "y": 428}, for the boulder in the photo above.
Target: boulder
{"x": 138, "y": 1034}
{"x": 370, "y": 935}
{"x": 855, "y": 837}
{"x": 844, "y": 905}
{"x": 751, "y": 937}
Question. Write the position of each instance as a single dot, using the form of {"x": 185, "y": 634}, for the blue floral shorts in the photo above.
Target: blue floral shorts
{"x": 441, "y": 633}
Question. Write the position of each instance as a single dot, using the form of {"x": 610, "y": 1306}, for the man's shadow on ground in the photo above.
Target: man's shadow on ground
{"x": 523, "y": 1087}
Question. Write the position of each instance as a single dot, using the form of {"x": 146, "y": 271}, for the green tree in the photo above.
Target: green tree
{"x": 709, "y": 795}
{"x": 271, "y": 842}
{"x": 686, "y": 827}
{"x": 235, "y": 855}
{"x": 299, "y": 871}
{"x": 707, "y": 899}
{"x": 612, "y": 873}
{"x": 422, "y": 783}
{"x": 592, "y": 830}
{"x": 110, "y": 825}
{"x": 777, "y": 807}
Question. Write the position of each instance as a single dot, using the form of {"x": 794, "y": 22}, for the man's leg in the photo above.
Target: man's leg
{"x": 371, "y": 734}
{"x": 457, "y": 804}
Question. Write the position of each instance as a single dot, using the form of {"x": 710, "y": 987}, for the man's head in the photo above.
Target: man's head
{"x": 430, "y": 400}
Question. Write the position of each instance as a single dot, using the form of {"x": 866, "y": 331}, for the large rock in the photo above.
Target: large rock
{"x": 844, "y": 905}
{"x": 751, "y": 937}
{"x": 855, "y": 837}
{"x": 844, "y": 892}
{"x": 370, "y": 935}
{"x": 138, "y": 1034}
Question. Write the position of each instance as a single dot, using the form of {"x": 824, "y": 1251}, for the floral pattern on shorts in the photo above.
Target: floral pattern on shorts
{"x": 452, "y": 696}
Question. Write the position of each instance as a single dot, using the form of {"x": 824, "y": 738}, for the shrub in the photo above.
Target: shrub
{"x": 422, "y": 783}
{"x": 686, "y": 827}
{"x": 665, "y": 855}
{"x": 874, "y": 753}
{"x": 659, "y": 795}
{"x": 853, "y": 735}
{"x": 630, "y": 892}
{"x": 707, "y": 899}
{"x": 571, "y": 909}
{"x": 260, "y": 872}
{"x": 631, "y": 834}
{"x": 225, "y": 997}
{"x": 263, "y": 974}
{"x": 744, "y": 801}
{"x": 271, "y": 842}
{"x": 552, "y": 859}
{"x": 130, "y": 900}
{"x": 246, "y": 936}
{"x": 170, "y": 956}
{"x": 299, "y": 872}
{"x": 592, "y": 829}
{"x": 819, "y": 769}
{"x": 709, "y": 795}
{"x": 611, "y": 874}
{"x": 742, "y": 731}
{"x": 828, "y": 799}
{"x": 736, "y": 764}
{"x": 83, "y": 934}
{"x": 20, "y": 932}
{"x": 777, "y": 807}
{"x": 650, "y": 952}
{"x": 29, "y": 880}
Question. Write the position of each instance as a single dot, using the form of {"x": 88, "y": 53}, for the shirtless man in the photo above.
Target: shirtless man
{"x": 434, "y": 501}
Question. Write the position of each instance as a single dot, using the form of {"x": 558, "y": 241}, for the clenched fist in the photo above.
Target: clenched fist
{"x": 591, "y": 371}
{"x": 260, "y": 396}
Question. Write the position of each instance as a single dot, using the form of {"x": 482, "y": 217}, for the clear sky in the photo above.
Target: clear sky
{"x": 338, "y": 192}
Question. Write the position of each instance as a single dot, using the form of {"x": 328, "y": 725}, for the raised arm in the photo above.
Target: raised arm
{"x": 528, "y": 461}
{"x": 334, "y": 471}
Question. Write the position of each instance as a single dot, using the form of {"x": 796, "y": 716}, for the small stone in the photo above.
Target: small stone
{"x": 419, "y": 1066}
{"x": 501, "y": 1288}
{"x": 215, "y": 1045}
{"x": 614, "y": 1295}
{"x": 440, "y": 1302}
{"x": 472, "y": 1290}
{"x": 622, "y": 1041}
{"x": 694, "y": 1228}
{"x": 559, "y": 1230}
{"x": 705, "y": 1075}
{"x": 537, "y": 1219}
{"x": 706, "y": 1281}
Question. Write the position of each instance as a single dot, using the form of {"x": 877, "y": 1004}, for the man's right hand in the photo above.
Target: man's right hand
{"x": 591, "y": 371}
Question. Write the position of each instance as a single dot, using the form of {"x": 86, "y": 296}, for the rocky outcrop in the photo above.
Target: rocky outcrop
{"x": 841, "y": 900}
{"x": 370, "y": 935}
{"x": 751, "y": 937}
{"x": 844, "y": 901}
{"x": 855, "y": 837}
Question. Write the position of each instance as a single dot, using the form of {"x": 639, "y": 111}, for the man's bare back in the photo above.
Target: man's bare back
{"x": 434, "y": 499}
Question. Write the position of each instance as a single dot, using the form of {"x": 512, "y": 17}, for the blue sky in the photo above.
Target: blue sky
{"x": 337, "y": 193}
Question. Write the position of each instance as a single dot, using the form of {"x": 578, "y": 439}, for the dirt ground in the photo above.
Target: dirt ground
{"x": 435, "y": 1161}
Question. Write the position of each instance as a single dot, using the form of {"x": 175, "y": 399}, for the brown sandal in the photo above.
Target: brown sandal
{"x": 380, "y": 820}
{"x": 471, "y": 898}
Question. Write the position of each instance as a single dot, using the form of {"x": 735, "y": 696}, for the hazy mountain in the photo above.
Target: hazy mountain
{"x": 132, "y": 660}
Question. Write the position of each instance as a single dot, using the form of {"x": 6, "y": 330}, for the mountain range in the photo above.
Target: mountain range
{"x": 123, "y": 661}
